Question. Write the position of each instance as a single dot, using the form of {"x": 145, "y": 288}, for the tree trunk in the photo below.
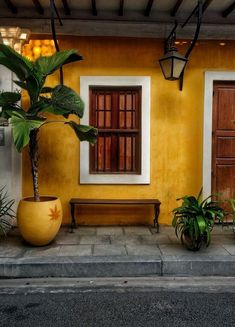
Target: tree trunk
{"x": 33, "y": 153}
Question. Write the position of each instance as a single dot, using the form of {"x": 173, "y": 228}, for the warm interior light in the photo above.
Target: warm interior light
{"x": 23, "y": 36}
{"x": 36, "y": 48}
{"x": 14, "y": 37}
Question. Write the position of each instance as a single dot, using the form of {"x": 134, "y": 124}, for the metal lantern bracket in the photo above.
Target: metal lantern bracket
{"x": 198, "y": 10}
{"x": 54, "y": 12}
{"x": 169, "y": 42}
{"x": 172, "y": 36}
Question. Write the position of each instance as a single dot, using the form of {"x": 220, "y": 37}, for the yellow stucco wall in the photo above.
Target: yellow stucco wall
{"x": 176, "y": 128}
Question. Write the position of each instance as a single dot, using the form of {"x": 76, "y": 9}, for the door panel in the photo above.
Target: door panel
{"x": 225, "y": 146}
{"x": 226, "y": 105}
{"x": 223, "y": 140}
{"x": 225, "y": 180}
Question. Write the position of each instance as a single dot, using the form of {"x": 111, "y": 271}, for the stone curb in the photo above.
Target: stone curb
{"x": 199, "y": 266}
{"x": 80, "y": 267}
{"x": 117, "y": 266}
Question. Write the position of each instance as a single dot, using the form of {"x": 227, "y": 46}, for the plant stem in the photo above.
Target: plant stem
{"x": 33, "y": 153}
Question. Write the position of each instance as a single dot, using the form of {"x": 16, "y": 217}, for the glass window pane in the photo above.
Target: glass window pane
{"x": 108, "y": 101}
{"x": 128, "y": 153}
{"x": 107, "y": 153}
{"x": 100, "y": 153}
{"x": 129, "y": 119}
{"x": 100, "y": 101}
{"x": 121, "y": 119}
{"x": 121, "y": 101}
{"x": 100, "y": 119}
{"x": 129, "y": 101}
{"x": 107, "y": 119}
{"x": 121, "y": 153}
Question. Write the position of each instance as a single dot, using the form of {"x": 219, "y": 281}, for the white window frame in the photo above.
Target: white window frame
{"x": 144, "y": 177}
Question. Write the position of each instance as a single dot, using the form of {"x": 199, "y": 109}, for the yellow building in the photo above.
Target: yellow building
{"x": 176, "y": 136}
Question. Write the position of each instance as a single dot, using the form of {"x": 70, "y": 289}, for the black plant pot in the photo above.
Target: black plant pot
{"x": 192, "y": 244}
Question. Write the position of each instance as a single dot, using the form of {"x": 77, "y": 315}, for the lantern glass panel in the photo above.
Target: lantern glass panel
{"x": 178, "y": 66}
{"x": 166, "y": 66}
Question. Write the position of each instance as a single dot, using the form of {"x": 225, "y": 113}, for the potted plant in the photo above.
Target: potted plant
{"x": 232, "y": 203}
{"x": 7, "y": 213}
{"x": 194, "y": 220}
{"x": 39, "y": 217}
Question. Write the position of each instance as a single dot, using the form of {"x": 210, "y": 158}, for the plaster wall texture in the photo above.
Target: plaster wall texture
{"x": 176, "y": 128}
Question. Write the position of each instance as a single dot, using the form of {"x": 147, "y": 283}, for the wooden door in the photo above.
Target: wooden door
{"x": 223, "y": 140}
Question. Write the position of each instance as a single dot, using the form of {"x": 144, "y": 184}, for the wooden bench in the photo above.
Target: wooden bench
{"x": 154, "y": 202}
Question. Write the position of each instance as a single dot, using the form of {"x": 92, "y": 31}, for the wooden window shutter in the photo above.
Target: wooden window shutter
{"x": 116, "y": 112}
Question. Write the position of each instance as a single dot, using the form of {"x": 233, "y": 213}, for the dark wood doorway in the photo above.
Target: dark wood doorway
{"x": 223, "y": 140}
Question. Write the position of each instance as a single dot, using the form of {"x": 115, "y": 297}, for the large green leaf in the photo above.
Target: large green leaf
{"x": 47, "y": 65}
{"x": 201, "y": 224}
{"x": 22, "y": 85}
{"x": 22, "y": 128}
{"x": 24, "y": 69}
{"x": 39, "y": 106}
{"x": 84, "y": 132}
{"x": 7, "y": 98}
{"x": 47, "y": 89}
{"x": 64, "y": 101}
{"x": 8, "y": 111}
{"x": 18, "y": 64}
{"x": 8, "y": 102}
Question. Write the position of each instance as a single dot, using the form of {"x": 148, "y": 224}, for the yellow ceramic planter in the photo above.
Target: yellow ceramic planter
{"x": 39, "y": 222}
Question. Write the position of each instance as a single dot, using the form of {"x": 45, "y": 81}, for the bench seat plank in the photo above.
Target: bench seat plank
{"x": 78, "y": 201}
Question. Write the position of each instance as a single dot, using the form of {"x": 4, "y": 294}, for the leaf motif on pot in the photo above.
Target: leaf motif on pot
{"x": 54, "y": 213}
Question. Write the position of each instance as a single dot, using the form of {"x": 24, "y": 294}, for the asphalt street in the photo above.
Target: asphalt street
{"x": 117, "y": 306}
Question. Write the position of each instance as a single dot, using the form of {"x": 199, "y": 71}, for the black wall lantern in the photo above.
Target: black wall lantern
{"x": 173, "y": 63}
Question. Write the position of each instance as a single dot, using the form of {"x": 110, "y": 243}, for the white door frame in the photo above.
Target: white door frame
{"x": 210, "y": 78}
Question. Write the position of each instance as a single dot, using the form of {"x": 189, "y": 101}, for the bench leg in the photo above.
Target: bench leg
{"x": 156, "y": 215}
{"x": 73, "y": 222}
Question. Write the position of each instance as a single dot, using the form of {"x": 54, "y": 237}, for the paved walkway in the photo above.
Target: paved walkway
{"x": 117, "y": 251}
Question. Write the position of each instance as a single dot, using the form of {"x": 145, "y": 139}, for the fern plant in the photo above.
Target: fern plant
{"x": 7, "y": 214}
{"x": 194, "y": 220}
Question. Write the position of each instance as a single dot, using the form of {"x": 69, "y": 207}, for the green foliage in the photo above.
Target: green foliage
{"x": 21, "y": 128}
{"x": 232, "y": 202}
{"x": 6, "y": 212}
{"x": 194, "y": 220}
{"x": 48, "y": 65}
{"x": 63, "y": 101}
{"x": 60, "y": 100}
{"x": 83, "y": 132}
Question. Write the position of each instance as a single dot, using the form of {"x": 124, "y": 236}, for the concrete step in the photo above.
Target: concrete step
{"x": 117, "y": 266}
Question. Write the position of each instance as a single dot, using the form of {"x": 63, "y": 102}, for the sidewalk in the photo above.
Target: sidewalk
{"x": 115, "y": 252}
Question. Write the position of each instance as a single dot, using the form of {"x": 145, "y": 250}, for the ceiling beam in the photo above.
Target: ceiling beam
{"x": 156, "y": 30}
{"x": 11, "y": 7}
{"x": 66, "y": 7}
{"x": 228, "y": 10}
{"x": 121, "y": 8}
{"x": 38, "y": 7}
{"x": 148, "y": 7}
{"x": 94, "y": 9}
{"x": 206, "y": 5}
{"x": 176, "y": 7}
